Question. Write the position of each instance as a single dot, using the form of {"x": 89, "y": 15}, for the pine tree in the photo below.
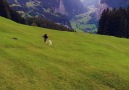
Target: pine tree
{"x": 103, "y": 22}
{"x": 114, "y": 22}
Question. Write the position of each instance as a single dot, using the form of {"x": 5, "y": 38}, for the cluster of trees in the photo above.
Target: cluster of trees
{"x": 41, "y": 22}
{"x": 114, "y": 22}
{"x": 9, "y": 13}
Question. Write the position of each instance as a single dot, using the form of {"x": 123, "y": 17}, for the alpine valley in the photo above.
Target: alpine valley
{"x": 88, "y": 21}
{"x": 81, "y": 15}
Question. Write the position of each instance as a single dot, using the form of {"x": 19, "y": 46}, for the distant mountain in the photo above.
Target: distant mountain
{"x": 103, "y": 4}
{"x": 83, "y": 15}
{"x": 59, "y": 11}
{"x": 88, "y": 21}
{"x": 7, "y": 12}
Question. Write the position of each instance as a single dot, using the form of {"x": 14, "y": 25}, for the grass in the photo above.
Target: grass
{"x": 76, "y": 61}
{"x": 81, "y": 23}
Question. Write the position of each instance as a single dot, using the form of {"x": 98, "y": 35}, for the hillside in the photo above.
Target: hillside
{"x": 76, "y": 61}
{"x": 7, "y": 12}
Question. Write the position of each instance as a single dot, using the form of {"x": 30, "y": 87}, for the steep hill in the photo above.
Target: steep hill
{"x": 76, "y": 61}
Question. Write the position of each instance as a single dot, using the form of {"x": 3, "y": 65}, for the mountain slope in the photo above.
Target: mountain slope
{"x": 104, "y": 4}
{"x": 7, "y": 12}
{"x": 76, "y": 61}
{"x": 59, "y": 11}
{"x": 64, "y": 7}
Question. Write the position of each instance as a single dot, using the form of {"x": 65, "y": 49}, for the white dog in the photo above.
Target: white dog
{"x": 50, "y": 42}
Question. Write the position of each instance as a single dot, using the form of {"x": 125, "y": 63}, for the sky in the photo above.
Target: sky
{"x": 110, "y": 3}
{"x": 116, "y": 3}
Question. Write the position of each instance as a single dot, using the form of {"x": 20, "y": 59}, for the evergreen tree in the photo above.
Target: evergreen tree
{"x": 103, "y": 22}
{"x": 114, "y": 22}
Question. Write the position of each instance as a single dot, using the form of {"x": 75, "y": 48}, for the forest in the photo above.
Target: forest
{"x": 114, "y": 22}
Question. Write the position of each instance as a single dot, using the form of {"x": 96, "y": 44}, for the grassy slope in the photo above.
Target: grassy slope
{"x": 76, "y": 61}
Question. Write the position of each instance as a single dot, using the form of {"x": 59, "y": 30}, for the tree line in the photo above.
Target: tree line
{"x": 114, "y": 22}
{"x": 41, "y": 22}
{"x": 7, "y": 12}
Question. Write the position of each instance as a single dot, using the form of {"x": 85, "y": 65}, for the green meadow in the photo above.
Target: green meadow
{"x": 75, "y": 61}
